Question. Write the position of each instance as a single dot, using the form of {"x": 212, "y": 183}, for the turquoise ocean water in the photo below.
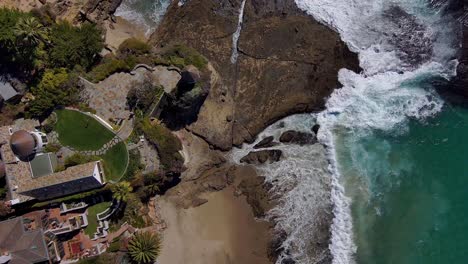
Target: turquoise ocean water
{"x": 409, "y": 191}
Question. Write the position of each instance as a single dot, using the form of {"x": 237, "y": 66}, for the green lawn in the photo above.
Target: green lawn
{"x": 81, "y": 131}
{"x": 92, "y": 218}
{"x": 115, "y": 162}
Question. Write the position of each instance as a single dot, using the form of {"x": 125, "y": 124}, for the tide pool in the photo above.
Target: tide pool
{"x": 409, "y": 188}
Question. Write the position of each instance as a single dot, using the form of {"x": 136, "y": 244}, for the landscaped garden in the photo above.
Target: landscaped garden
{"x": 115, "y": 162}
{"x": 92, "y": 217}
{"x": 80, "y": 131}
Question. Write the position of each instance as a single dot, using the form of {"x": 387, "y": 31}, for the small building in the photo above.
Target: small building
{"x": 32, "y": 174}
{"x": 20, "y": 245}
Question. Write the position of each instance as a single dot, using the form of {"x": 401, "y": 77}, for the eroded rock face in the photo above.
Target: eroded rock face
{"x": 266, "y": 143}
{"x": 288, "y": 63}
{"x": 262, "y": 156}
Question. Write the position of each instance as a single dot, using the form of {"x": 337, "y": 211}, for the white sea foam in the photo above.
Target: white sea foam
{"x": 144, "y": 13}
{"x": 302, "y": 183}
{"x": 397, "y": 48}
{"x": 236, "y": 35}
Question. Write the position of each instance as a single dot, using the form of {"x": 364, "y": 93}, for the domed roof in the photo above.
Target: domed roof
{"x": 2, "y": 169}
{"x": 23, "y": 144}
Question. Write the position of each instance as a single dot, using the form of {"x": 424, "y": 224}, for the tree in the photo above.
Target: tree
{"x": 52, "y": 90}
{"x": 144, "y": 247}
{"x": 15, "y": 58}
{"x": 73, "y": 46}
{"x": 121, "y": 190}
{"x": 30, "y": 32}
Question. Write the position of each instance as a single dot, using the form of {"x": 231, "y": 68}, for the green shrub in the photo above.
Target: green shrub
{"x": 133, "y": 46}
{"x": 12, "y": 53}
{"x": 52, "y": 147}
{"x": 86, "y": 108}
{"x": 57, "y": 87}
{"x": 181, "y": 56}
{"x": 75, "y": 45}
{"x": 114, "y": 245}
{"x": 108, "y": 67}
{"x": 48, "y": 127}
{"x": 167, "y": 144}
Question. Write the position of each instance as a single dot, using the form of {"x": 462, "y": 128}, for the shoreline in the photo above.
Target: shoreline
{"x": 120, "y": 30}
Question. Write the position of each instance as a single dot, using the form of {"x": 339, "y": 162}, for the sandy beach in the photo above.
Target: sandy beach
{"x": 117, "y": 32}
{"x": 221, "y": 231}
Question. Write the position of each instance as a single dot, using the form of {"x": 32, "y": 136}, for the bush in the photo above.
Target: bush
{"x": 144, "y": 247}
{"x": 86, "y": 108}
{"x": 75, "y": 45}
{"x": 142, "y": 96}
{"x": 133, "y": 46}
{"x": 108, "y": 67}
{"x": 52, "y": 147}
{"x": 48, "y": 127}
{"x": 167, "y": 144}
{"x": 55, "y": 88}
{"x": 181, "y": 56}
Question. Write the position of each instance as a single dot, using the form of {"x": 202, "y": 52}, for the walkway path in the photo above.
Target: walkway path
{"x": 53, "y": 138}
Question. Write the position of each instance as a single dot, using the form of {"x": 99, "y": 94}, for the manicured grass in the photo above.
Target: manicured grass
{"x": 92, "y": 218}
{"x": 81, "y": 131}
{"x": 115, "y": 162}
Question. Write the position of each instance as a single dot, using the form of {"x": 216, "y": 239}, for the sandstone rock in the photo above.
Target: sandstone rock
{"x": 266, "y": 143}
{"x": 288, "y": 63}
{"x": 297, "y": 137}
{"x": 262, "y": 156}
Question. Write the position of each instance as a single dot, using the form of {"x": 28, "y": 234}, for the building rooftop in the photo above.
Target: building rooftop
{"x": 6, "y": 90}
{"x": 37, "y": 178}
{"x": 22, "y": 246}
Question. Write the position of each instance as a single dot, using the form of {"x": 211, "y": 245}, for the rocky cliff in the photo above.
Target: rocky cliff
{"x": 287, "y": 63}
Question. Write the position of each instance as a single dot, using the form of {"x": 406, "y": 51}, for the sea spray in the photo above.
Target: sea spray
{"x": 236, "y": 35}
{"x": 144, "y": 13}
{"x": 301, "y": 182}
{"x": 397, "y": 42}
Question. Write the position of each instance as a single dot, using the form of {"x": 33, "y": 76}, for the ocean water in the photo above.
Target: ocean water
{"x": 410, "y": 201}
{"x": 145, "y": 13}
{"x": 396, "y": 148}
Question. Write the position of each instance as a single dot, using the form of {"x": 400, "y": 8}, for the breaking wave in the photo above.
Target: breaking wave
{"x": 399, "y": 43}
{"x": 145, "y": 13}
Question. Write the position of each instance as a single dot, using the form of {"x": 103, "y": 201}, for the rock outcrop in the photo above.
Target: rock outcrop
{"x": 262, "y": 156}
{"x": 287, "y": 63}
{"x": 297, "y": 137}
{"x": 266, "y": 143}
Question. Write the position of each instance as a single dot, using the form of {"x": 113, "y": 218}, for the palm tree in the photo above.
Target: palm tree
{"x": 30, "y": 31}
{"x": 121, "y": 190}
{"x": 144, "y": 247}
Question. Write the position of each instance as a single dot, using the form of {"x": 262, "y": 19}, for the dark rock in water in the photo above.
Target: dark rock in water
{"x": 266, "y": 143}
{"x": 296, "y": 137}
{"x": 316, "y": 128}
{"x": 262, "y": 156}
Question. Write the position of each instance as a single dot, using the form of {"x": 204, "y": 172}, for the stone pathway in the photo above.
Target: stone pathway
{"x": 53, "y": 138}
